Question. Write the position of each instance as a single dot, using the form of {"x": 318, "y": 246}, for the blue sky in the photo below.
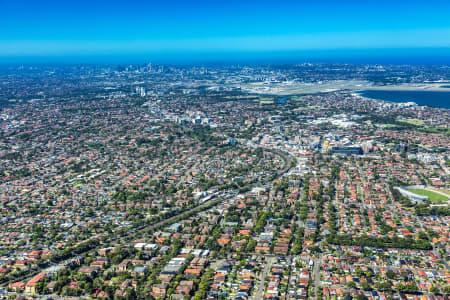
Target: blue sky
{"x": 99, "y": 27}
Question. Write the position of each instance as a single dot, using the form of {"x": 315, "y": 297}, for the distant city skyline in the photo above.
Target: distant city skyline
{"x": 232, "y": 30}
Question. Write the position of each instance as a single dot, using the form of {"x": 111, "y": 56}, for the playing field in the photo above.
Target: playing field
{"x": 442, "y": 191}
{"x": 432, "y": 196}
{"x": 416, "y": 122}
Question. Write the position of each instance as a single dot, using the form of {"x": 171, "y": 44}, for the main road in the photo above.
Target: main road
{"x": 316, "y": 275}
{"x": 261, "y": 281}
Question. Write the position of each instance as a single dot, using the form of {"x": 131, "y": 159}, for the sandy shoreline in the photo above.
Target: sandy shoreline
{"x": 282, "y": 89}
{"x": 428, "y": 87}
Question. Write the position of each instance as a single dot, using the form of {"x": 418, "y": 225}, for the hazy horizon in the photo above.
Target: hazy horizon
{"x": 421, "y": 56}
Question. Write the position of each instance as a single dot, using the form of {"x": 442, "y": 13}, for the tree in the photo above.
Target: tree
{"x": 446, "y": 290}
{"x": 251, "y": 245}
{"x": 365, "y": 285}
{"x": 408, "y": 288}
{"x": 434, "y": 289}
{"x": 203, "y": 286}
{"x": 130, "y": 294}
{"x": 384, "y": 286}
{"x": 90, "y": 212}
{"x": 40, "y": 287}
{"x": 359, "y": 273}
{"x": 390, "y": 274}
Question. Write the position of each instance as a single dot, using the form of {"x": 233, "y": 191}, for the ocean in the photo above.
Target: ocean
{"x": 428, "y": 98}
